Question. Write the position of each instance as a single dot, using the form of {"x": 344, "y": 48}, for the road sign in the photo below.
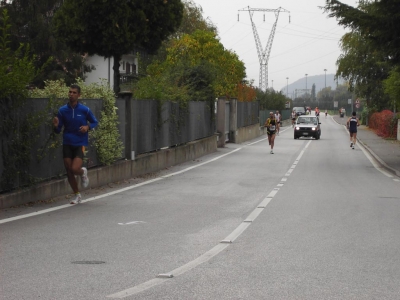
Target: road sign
{"x": 358, "y": 105}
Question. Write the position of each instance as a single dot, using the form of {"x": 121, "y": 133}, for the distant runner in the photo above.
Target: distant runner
{"x": 352, "y": 124}
{"x": 278, "y": 121}
{"x": 271, "y": 130}
{"x": 293, "y": 117}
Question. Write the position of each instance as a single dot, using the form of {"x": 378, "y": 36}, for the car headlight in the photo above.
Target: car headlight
{"x": 314, "y": 128}
{"x": 297, "y": 128}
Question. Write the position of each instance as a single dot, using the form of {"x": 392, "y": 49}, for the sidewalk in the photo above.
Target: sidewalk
{"x": 386, "y": 152}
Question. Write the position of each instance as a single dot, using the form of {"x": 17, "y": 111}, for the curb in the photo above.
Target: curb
{"x": 373, "y": 154}
{"x": 379, "y": 160}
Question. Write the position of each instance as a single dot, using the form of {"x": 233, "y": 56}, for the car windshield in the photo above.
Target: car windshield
{"x": 307, "y": 120}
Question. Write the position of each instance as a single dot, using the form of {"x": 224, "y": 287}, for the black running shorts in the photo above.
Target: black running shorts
{"x": 73, "y": 151}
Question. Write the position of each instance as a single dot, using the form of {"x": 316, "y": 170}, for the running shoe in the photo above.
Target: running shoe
{"x": 85, "y": 178}
{"x": 77, "y": 199}
{"x": 351, "y": 144}
{"x": 352, "y": 147}
{"x": 272, "y": 152}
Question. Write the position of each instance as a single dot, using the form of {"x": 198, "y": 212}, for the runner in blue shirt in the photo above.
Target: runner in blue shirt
{"x": 77, "y": 120}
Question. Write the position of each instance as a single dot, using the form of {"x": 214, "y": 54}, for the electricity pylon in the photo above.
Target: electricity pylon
{"x": 263, "y": 55}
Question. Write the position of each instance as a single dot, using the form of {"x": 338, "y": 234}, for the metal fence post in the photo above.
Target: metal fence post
{"x": 221, "y": 122}
{"x": 233, "y": 120}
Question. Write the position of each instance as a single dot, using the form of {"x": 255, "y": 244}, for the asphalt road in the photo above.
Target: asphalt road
{"x": 315, "y": 220}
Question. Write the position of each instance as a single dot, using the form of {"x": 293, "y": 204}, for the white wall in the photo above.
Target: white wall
{"x": 104, "y": 67}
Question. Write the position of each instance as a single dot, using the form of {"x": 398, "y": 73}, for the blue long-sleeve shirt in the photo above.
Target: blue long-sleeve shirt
{"x": 72, "y": 119}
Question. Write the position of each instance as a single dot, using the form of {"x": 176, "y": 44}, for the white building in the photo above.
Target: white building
{"x": 104, "y": 69}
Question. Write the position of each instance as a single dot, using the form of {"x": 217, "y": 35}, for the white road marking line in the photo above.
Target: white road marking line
{"x": 373, "y": 161}
{"x": 48, "y": 210}
{"x": 272, "y": 193}
{"x": 370, "y": 158}
{"x": 130, "y": 223}
{"x": 202, "y": 258}
{"x": 45, "y": 211}
{"x": 265, "y": 202}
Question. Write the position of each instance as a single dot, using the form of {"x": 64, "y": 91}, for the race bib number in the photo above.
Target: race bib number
{"x": 272, "y": 127}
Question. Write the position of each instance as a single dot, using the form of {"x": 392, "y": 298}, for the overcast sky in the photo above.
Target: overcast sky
{"x": 307, "y": 45}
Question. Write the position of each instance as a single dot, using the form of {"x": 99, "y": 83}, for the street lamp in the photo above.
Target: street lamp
{"x": 325, "y": 77}
{"x": 287, "y": 82}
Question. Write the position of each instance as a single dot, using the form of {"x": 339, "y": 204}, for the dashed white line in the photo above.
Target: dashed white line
{"x": 209, "y": 254}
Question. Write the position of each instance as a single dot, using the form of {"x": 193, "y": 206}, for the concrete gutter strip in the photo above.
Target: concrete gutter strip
{"x": 121, "y": 170}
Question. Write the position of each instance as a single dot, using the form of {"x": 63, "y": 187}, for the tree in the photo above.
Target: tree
{"x": 271, "y": 99}
{"x": 205, "y": 46}
{"x": 364, "y": 67}
{"x": 313, "y": 95}
{"x": 17, "y": 124}
{"x": 376, "y": 21}
{"x": 392, "y": 87}
{"x": 192, "y": 20}
{"x": 246, "y": 92}
{"x": 31, "y": 23}
{"x": 111, "y": 29}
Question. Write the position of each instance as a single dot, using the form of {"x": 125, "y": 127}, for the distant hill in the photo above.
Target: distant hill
{"x": 318, "y": 80}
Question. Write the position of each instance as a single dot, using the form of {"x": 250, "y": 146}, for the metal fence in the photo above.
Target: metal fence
{"x": 155, "y": 127}
{"x": 144, "y": 126}
{"x": 247, "y": 114}
{"x": 45, "y": 161}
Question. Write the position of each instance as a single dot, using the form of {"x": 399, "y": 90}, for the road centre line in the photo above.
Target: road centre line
{"x": 209, "y": 254}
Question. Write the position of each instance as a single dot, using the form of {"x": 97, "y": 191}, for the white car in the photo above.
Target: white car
{"x": 307, "y": 126}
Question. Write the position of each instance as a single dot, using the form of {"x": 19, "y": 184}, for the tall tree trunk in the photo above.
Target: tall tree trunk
{"x": 116, "y": 87}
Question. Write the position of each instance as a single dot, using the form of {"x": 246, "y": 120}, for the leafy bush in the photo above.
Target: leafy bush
{"x": 384, "y": 123}
{"x": 107, "y": 138}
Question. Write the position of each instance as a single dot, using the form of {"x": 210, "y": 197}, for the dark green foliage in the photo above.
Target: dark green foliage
{"x": 17, "y": 123}
{"x": 112, "y": 28}
{"x": 199, "y": 80}
{"x": 377, "y": 21}
{"x": 31, "y": 23}
{"x": 271, "y": 99}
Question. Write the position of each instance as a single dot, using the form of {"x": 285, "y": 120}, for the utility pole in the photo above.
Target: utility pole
{"x": 325, "y": 77}
{"x": 263, "y": 55}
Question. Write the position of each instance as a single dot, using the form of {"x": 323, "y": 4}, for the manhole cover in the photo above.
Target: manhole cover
{"x": 89, "y": 262}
